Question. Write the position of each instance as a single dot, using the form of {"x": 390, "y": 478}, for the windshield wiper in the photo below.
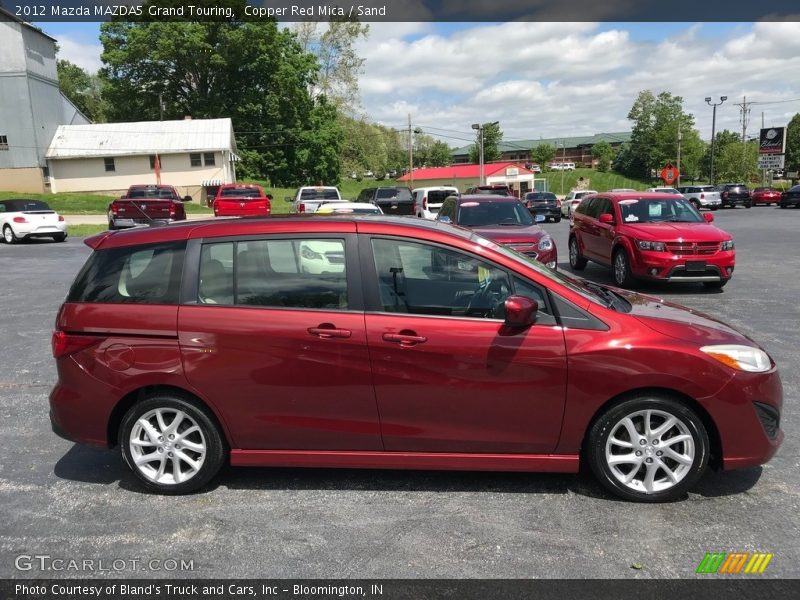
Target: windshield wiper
{"x": 602, "y": 292}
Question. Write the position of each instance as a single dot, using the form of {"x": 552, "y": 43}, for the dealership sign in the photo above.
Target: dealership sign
{"x": 771, "y": 161}
{"x": 772, "y": 141}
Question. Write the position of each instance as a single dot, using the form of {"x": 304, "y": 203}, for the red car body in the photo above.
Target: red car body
{"x": 147, "y": 205}
{"x": 238, "y": 200}
{"x": 766, "y": 196}
{"x": 370, "y": 388}
{"x": 678, "y": 245}
{"x": 523, "y": 235}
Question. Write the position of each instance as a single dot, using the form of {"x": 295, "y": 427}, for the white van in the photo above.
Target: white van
{"x": 428, "y": 200}
{"x": 562, "y": 166}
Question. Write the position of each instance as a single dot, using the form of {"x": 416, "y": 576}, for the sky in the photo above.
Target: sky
{"x": 545, "y": 80}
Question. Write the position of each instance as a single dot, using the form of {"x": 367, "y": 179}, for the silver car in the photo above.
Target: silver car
{"x": 702, "y": 196}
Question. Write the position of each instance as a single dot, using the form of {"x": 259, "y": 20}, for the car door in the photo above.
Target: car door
{"x": 604, "y": 232}
{"x": 583, "y": 224}
{"x": 273, "y": 335}
{"x": 448, "y": 375}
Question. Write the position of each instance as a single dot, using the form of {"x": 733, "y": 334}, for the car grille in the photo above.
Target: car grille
{"x": 693, "y": 248}
{"x": 769, "y": 417}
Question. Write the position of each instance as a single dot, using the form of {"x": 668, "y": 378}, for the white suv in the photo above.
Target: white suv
{"x": 562, "y": 166}
{"x": 428, "y": 200}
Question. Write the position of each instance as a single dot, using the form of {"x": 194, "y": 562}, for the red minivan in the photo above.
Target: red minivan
{"x": 241, "y": 200}
{"x": 650, "y": 235}
{"x": 421, "y": 346}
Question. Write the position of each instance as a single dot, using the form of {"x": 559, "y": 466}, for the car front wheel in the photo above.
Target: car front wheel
{"x": 172, "y": 444}
{"x": 648, "y": 449}
{"x": 622, "y": 269}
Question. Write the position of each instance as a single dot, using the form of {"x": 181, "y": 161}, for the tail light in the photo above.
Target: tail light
{"x": 424, "y": 203}
{"x": 702, "y": 196}
{"x": 65, "y": 344}
{"x": 301, "y": 208}
{"x": 725, "y": 195}
{"x": 172, "y": 209}
{"x": 114, "y": 209}
{"x": 20, "y": 220}
{"x": 61, "y": 218}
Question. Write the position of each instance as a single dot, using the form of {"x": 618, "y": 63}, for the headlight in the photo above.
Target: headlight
{"x": 546, "y": 243}
{"x": 309, "y": 254}
{"x": 727, "y": 245}
{"x": 654, "y": 246}
{"x": 742, "y": 358}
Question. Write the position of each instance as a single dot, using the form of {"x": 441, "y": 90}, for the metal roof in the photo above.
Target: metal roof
{"x": 145, "y": 137}
{"x": 618, "y": 137}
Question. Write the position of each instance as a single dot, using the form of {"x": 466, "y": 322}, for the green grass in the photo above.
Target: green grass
{"x": 78, "y": 203}
{"x": 84, "y": 230}
{"x": 602, "y": 182}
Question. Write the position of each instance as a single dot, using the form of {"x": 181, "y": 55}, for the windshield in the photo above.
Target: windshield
{"x": 658, "y": 210}
{"x": 479, "y": 214}
{"x": 240, "y": 193}
{"x": 152, "y": 193}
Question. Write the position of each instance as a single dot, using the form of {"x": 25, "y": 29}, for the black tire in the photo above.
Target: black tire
{"x": 60, "y": 237}
{"x": 622, "y": 268}
{"x": 208, "y": 436}
{"x": 8, "y": 235}
{"x": 715, "y": 285}
{"x": 714, "y": 207}
{"x": 748, "y": 204}
{"x": 576, "y": 261}
{"x": 783, "y": 205}
{"x": 696, "y": 205}
{"x": 556, "y": 219}
{"x": 600, "y": 450}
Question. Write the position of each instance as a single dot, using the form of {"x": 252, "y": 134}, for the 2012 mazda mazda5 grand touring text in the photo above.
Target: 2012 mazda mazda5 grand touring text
{"x": 420, "y": 346}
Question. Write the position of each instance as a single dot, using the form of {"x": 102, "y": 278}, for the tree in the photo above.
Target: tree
{"x": 793, "y": 144}
{"x": 542, "y": 154}
{"x": 737, "y": 162}
{"x": 339, "y": 64}
{"x": 604, "y": 154}
{"x": 440, "y": 154}
{"x": 657, "y": 121}
{"x": 492, "y": 136}
{"x": 82, "y": 89}
{"x": 254, "y": 72}
{"x": 721, "y": 139}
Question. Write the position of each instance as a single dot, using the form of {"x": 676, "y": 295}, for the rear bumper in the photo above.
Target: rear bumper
{"x": 123, "y": 223}
{"x": 31, "y": 230}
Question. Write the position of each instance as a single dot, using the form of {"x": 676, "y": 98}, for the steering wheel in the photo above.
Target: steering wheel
{"x": 488, "y": 300}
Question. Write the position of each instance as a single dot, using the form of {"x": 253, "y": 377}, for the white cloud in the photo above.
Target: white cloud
{"x": 83, "y": 54}
{"x": 550, "y": 79}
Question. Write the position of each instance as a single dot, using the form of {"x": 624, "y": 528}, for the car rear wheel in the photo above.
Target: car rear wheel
{"x": 172, "y": 444}
{"x": 60, "y": 237}
{"x": 714, "y": 207}
{"x": 748, "y": 204}
{"x": 556, "y": 219}
{"x": 576, "y": 261}
{"x": 622, "y": 269}
{"x": 8, "y": 235}
{"x": 648, "y": 449}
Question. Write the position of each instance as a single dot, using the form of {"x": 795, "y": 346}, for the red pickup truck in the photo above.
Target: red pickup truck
{"x": 147, "y": 205}
{"x": 239, "y": 200}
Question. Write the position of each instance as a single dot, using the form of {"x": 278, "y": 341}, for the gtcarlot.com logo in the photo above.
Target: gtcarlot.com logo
{"x": 734, "y": 563}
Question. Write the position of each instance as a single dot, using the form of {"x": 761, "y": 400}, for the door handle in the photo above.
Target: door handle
{"x": 329, "y": 330}
{"x": 405, "y": 338}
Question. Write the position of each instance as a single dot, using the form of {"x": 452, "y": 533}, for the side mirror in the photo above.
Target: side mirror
{"x": 539, "y": 218}
{"x": 445, "y": 219}
{"x": 607, "y": 219}
{"x": 187, "y": 199}
{"x": 708, "y": 217}
{"x": 520, "y": 311}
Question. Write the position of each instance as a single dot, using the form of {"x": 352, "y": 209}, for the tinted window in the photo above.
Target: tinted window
{"x": 163, "y": 193}
{"x": 590, "y": 207}
{"x": 240, "y": 193}
{"x": 448, "y": 209}
{"x": 297, "y": 273}
{"x": 438, "y": 196}
{"x": 401, "y": 194}
{"x": 138, "y": 274}
{"x": 25, "y": 205}
{"x": 430, "y": 280}
{"x": 477, "y": 214}
{"x": 319, "y": 194}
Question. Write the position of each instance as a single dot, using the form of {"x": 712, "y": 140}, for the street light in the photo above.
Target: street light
{"x": 479, "y": 127}
{"x": 713, "y": 128}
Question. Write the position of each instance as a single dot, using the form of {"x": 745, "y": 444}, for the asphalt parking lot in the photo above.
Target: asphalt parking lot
{"x": 72, "y": 502}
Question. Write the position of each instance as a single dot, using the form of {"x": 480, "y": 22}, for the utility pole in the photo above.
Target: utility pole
{"x": 160, "y": 107}
{"x": 563, "y": 159}
{"x": 679, "y": 153}
{"x": 744, "y": 117}
{"x": 713, "y": 128}
{"x": 410, "y": 154}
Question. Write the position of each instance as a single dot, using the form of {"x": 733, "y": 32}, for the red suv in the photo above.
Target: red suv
{"x": 419, "y": 346}
{"x": 241, "y": 200}
{"x": 650, "y": 236}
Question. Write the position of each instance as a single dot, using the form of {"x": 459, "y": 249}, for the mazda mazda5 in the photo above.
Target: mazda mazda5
{"x": 415, "y": 345}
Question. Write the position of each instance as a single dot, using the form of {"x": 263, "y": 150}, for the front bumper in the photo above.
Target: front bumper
{"x": 662, "y": 266}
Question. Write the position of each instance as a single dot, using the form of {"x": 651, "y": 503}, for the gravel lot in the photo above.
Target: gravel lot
{"x": 72, "y": 502}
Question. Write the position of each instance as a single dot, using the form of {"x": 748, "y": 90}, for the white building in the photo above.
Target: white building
{"x": 196, "y": 156}
{"x": 31, "y": 104}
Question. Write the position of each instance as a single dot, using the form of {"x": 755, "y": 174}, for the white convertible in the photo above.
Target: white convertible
{"x": 25, "y": 218}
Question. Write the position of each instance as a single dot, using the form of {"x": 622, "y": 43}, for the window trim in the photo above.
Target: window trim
{"x": 212, "y": 162}
{"x": 106, "y": 163}
{"x": 4, "y": 145}
{"x": 199, "y": 156}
